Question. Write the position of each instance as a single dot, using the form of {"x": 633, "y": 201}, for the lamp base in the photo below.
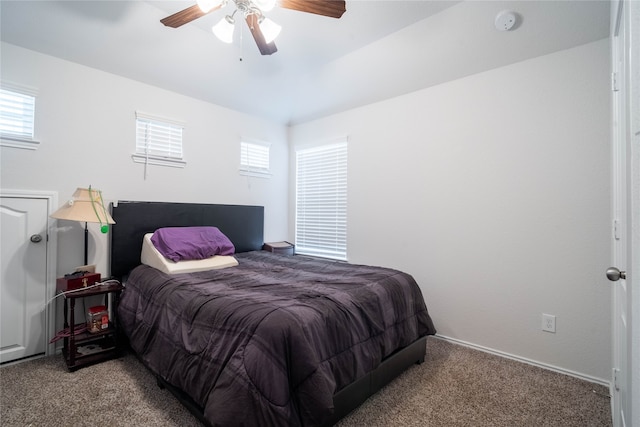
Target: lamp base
{"x": 86, "y": 244}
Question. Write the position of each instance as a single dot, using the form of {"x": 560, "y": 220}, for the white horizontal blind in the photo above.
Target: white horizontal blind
{"x": 158, "y": 138}
{"x": 17, "y": 112}
{"x": 254, "y": 158}
{"x": 321, "y": 201}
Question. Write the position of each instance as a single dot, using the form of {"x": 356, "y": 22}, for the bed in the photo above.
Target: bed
{"x": 274, "y": 340}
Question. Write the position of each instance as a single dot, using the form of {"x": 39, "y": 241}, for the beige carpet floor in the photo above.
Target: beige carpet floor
{"x": 456, "y": 386}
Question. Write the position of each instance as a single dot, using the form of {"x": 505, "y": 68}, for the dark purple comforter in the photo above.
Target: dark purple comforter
{"x": 269, "y": 342}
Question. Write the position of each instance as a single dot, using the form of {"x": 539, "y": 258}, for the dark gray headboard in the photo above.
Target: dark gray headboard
{"x": 243, "y": 225}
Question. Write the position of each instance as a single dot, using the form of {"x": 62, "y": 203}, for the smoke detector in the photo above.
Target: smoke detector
{"x": 505, "y": 20}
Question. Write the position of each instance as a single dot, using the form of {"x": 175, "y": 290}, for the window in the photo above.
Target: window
{"x": 158, "y": 141}
{"x": 17, "y": 116}
{"x": 321, "y": 201}
{"x": 254, "y": 159}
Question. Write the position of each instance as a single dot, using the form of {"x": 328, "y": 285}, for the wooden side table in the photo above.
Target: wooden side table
{"x": 85, "y": 348}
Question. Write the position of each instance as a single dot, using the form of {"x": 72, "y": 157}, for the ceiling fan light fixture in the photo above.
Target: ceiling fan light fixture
{"x": 207, "y": 5}
{"x": 224, "y": 29}
{"x": 265, "y": 5}
{"x": 270, "y": 29}
{"x": 263, "y": 30}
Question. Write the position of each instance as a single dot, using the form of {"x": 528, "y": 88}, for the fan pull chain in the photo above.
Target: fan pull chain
{"x": 241, "y": 42}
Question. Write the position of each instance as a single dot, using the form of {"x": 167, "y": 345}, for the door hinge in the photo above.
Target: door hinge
{"x": 616, "y": 229}
{"x": 614, "y": 82}
{"x": 616, "y": 385}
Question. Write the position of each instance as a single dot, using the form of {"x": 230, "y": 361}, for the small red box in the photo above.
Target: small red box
{"x": 97, "y": 319}
{"x": 69, "y": 284}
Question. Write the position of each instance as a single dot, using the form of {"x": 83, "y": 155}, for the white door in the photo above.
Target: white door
{"x": 622, "y": 150}
{"x": 23, "y": 280}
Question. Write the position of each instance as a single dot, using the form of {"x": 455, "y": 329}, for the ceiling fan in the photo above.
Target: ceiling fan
{"x": 263, "y": 29}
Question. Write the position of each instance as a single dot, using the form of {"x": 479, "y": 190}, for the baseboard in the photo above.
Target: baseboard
{"x": 589, "y": 378}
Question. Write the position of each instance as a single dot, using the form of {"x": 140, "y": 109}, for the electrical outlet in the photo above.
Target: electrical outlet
{"x": 549, "y": 323}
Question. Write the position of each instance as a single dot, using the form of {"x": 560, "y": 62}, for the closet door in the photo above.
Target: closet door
{"x": 23, "y": 280}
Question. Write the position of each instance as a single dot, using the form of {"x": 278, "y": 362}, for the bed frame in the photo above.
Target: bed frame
{"x": 244, "y": 225}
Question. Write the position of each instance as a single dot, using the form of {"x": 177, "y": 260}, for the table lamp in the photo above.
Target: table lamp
{"x": 86, "y": 205}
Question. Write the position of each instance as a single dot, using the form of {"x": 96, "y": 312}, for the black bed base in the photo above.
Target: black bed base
{"x": 244, "y": 225}
{"x": 353, "y": 395}
{"x": 350, "y": 397}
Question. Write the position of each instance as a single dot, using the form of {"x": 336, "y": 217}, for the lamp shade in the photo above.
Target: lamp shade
{"x": 207, "y": 5}
{"x": 265, "y": 5}
{"x": 224, "y": 29}
{"x": 270, "y": 29}
{"x": 86, "y": 206}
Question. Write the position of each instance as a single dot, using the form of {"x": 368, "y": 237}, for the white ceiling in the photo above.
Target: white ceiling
{"x": 378, "y": 49}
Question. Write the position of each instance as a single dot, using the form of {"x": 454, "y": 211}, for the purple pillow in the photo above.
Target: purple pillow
{"x": 189, "y": 243}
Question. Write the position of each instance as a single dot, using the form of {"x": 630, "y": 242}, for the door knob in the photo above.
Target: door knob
{"x": 36, "y": 238}
{"x": 614, "y": 274}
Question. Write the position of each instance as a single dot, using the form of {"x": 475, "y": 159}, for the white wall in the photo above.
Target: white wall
{"x": 85, "y": 120}
{"x": 493, "y": 192}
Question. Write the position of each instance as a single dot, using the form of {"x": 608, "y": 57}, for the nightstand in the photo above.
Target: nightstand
{"x": 82, "y": 348}
{"x": 282, "y": 248}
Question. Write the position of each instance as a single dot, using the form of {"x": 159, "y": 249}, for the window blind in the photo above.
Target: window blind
{"x": 17, "y": 112}
{"x": 254, "y": 158}
{"x": 321, "y": 201}
{"x": 158, "y": 138}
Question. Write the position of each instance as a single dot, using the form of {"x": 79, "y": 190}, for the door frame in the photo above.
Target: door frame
{"x": 619, "y": 387}
{"x": 630, "y": 13}
{"x": 633, "y": 202}
{"x": 52, "y": 250}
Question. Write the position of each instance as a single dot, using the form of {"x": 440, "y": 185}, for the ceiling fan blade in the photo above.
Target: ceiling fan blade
{"x": 185, "y": 16}
{"x": 331, "y": 8}
{"x": 264, "y": 47}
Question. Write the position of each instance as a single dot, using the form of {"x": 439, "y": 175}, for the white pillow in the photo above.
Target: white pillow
{"x": 152, "y": 257}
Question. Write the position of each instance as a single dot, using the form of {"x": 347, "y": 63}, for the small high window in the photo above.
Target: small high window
{"x": 254, "y": 159}
{"x": 17, "y": 117}
{"x": 158, "y": 141}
